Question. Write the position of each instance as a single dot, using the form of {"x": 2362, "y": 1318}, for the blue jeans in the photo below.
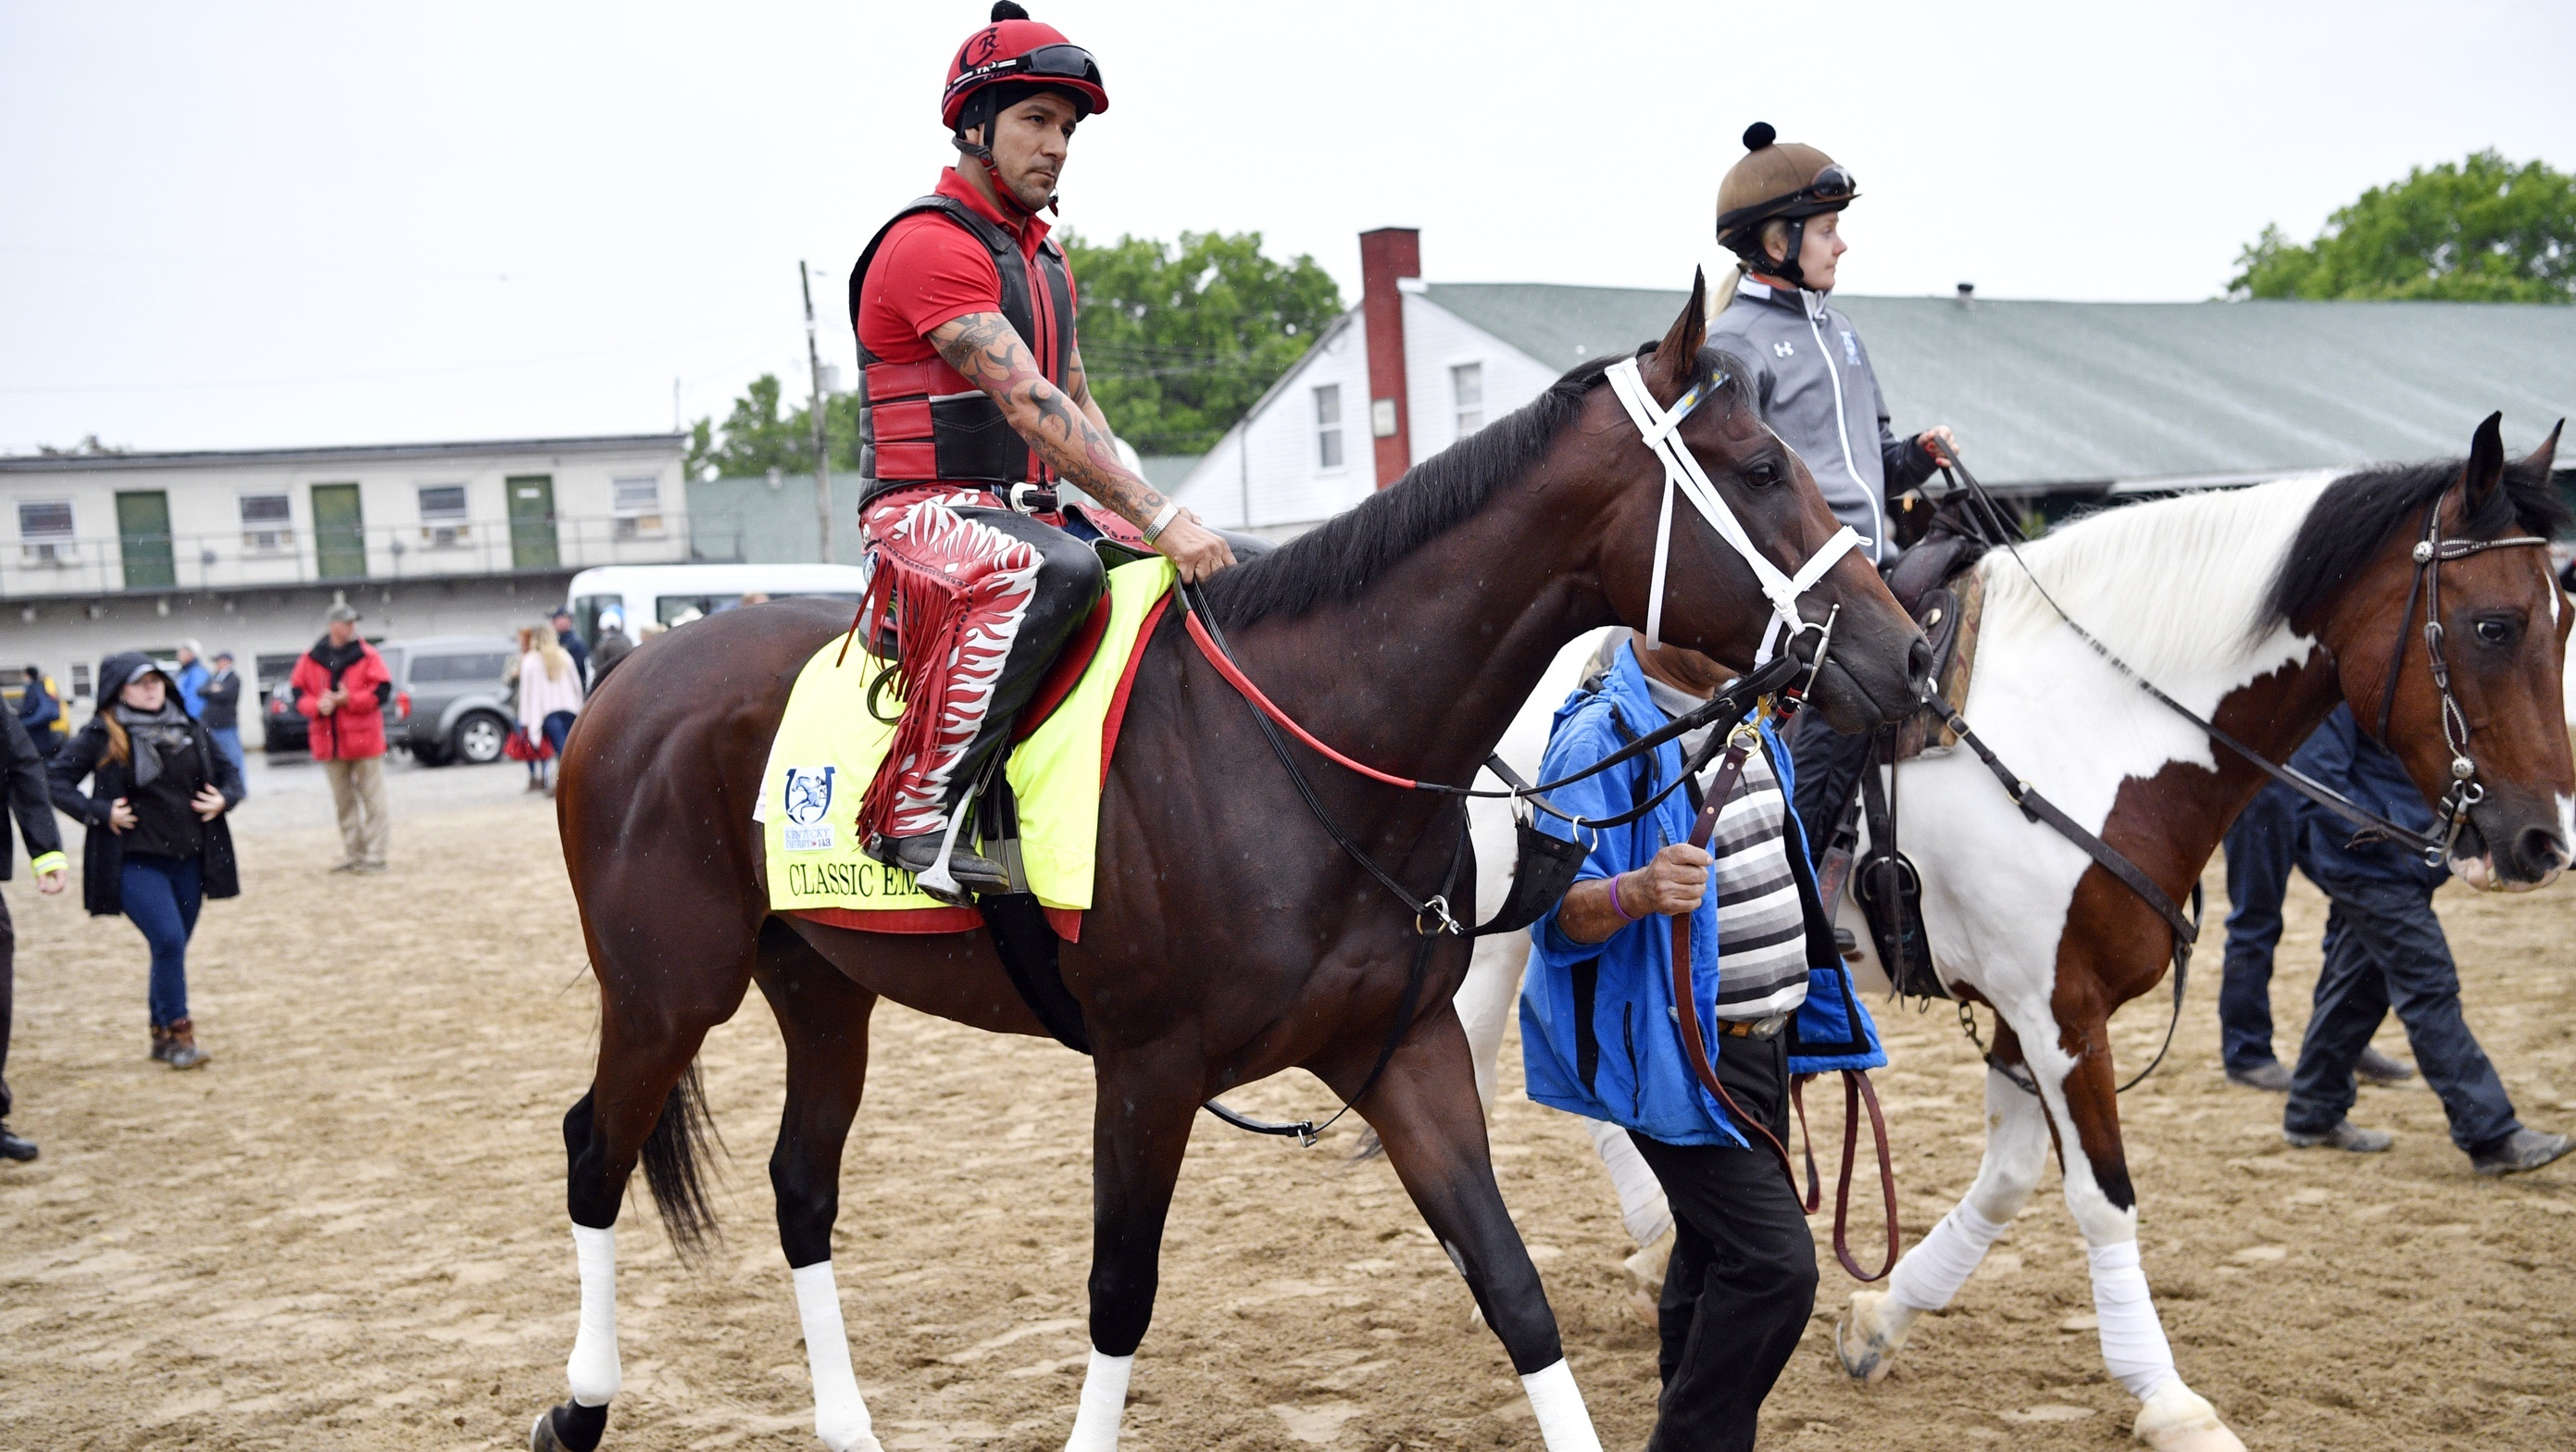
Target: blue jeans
{"x": 2385, "y": 949}
{"x": 162, "y": 895}
{"x": 558, "y": 725}
{"x": 228, "y": 741}
{"x": 2259, "y": 851}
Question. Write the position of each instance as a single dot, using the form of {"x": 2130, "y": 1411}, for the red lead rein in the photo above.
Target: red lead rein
{"x": 1241, "y": 682}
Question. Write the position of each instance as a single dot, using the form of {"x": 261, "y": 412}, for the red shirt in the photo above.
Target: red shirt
{"x": 929, "y": 273}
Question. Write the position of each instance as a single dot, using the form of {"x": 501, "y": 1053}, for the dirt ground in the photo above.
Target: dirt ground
{"x": 348, "y": 1230}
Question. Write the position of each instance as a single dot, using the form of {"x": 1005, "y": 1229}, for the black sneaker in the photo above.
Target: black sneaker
{"x": 2374, "y": 1067}
{"x": 14, "y": 1148}
{"x": 974, "y": 873}
{"x": 2524, "y": 1149}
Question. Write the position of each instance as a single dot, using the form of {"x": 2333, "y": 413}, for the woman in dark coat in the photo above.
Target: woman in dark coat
{"x": 157, "y": 845}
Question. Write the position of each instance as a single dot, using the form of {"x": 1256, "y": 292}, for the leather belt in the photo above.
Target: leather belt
{"x": 1766, "y": 1027}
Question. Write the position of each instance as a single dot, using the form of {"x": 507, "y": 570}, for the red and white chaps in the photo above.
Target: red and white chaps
{"x": 981, "y": 597}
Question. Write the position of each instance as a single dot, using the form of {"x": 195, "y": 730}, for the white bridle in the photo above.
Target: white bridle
{"x": 1682, "y": 473}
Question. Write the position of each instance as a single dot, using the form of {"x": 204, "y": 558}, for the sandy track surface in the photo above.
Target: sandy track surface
{"x": 348, "y": 1230}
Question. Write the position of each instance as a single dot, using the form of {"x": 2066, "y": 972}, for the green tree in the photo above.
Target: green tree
{"x": 1179, "y": 340}
{"x": 757, "y": 436}
{"x": 2484, "y": 230}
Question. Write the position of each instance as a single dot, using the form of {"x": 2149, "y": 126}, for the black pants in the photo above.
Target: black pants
{"x": 2260, "y": 849}
{"x": 2385, "y": 949}
{"x": 8, "y": 995}
{"x": 1742, "y": 1279}
{"x": 1827, "y": 765}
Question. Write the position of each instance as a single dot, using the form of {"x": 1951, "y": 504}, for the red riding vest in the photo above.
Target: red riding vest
{"x": 924, "y": 422}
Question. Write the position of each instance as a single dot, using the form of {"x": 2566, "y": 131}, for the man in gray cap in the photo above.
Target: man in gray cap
{"x": 342, "y": 685}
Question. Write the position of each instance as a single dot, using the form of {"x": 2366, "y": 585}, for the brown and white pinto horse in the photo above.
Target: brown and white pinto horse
{"x": 1229, "y": 938}
{"x": 2261, "y": 609}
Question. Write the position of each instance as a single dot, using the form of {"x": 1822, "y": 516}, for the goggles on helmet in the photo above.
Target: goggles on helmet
{"x": 1830, "y": 189}
{"x": 1052, "y": 62}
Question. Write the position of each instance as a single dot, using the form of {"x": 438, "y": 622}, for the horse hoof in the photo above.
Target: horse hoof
{"x": 2178, "y": 1419}
{"x": 1866, "y": 1347}
{"x": 587, "y": 1423}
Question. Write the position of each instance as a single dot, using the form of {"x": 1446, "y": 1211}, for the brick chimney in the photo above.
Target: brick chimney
{"x": 1387, "y": 254}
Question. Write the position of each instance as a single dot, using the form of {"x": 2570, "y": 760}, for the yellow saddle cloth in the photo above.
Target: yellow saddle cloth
{"x": 829, "y": 744}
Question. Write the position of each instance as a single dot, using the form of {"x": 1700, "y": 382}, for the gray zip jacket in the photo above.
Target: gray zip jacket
{"x": 1813, "y": 381}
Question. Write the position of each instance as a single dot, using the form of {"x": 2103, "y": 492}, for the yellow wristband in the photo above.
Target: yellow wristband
{"x": 49, "y": 862}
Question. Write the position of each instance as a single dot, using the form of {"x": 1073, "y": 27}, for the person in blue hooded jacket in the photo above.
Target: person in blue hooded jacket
{"x": 1600, "y": 1037}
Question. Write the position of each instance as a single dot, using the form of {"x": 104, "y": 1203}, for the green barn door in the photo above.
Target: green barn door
{"x": 532, "y": 522}
{"x": 339, "y": 532}
{"x": 143, "y": 536}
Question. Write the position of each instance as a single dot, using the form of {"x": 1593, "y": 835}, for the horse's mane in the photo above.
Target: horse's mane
{"x": 2360, "y": 510}
{"x": 2162, "y": 581}
{"x": 1338, "y": 558}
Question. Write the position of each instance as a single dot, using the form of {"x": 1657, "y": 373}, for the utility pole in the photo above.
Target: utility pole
{"x": 822, "y": 459}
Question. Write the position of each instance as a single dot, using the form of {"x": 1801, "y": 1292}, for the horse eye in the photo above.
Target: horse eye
{"x": 1763, "y": 475}
{"x": 2495, "y": 632}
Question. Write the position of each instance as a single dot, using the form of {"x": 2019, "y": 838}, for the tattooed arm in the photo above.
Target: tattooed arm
{"x": 1069, "y": 432}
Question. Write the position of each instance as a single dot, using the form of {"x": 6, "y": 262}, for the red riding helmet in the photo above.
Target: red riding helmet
{"x": 1015, "y": 48}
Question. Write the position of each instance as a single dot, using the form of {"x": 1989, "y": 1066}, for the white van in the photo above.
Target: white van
{"x": 674, "y": 594}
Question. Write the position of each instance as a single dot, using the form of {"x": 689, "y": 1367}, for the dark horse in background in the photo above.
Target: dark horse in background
{"x": 1229, "y": 939}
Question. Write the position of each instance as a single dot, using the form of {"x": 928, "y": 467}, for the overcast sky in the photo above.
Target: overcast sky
{"x": 274, "y": 224}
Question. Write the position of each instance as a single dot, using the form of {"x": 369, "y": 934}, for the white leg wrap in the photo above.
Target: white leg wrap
{"x": 1641, "y": 1195}
{"x": 840, "y": 1416}
{"x": 1941, "y": 1262}
{"x": 593, "y": 1368}
{"x": 2133, "y": 1340}
{"x": 1562, "y": 1422}
{"x": 1104, "y": 1400}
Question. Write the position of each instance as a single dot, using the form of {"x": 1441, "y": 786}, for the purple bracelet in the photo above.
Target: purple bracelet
{"x": 1620, "y": 907}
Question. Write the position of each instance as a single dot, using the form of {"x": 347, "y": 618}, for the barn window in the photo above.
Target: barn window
{"x": 1328, "y": 426}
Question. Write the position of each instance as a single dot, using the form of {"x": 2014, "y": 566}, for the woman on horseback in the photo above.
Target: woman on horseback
{"x": 1780, "y": 211}
{"x": 978, "y": 408}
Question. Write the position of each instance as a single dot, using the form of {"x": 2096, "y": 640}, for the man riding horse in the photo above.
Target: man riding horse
{"x": 978, "y": 409}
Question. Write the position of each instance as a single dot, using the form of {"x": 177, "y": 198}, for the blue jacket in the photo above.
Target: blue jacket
{"x": 192, "y": 680}
{"x": 1599, "y": 1036}
{"x": 37, "y": 709}
{"x": 2340, "y": 756}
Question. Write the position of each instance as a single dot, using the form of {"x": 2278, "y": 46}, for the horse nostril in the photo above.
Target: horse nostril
{"x": 1918, "y": 664}
{"x": 2538, "y": 851}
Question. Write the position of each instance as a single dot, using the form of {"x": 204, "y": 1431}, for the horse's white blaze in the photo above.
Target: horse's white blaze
{"x": 593, "y": 1370}
{"x": 1563, "y": 1422}
{"x": 1104, "y": 1401}
{"x": 840, "y": 1414}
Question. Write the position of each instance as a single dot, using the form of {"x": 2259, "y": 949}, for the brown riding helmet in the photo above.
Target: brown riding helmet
{"x": 1777, "y": 179}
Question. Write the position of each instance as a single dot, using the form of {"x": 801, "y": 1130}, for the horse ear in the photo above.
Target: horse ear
{"x": 2540, "y": 461}
{"x": 1677, "y": 356}
{"x": 2486, "y": 461}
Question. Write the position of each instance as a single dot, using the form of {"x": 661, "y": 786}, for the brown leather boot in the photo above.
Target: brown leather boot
{"x": 183, "y": 1052}
{"x": 160, "y": 1043}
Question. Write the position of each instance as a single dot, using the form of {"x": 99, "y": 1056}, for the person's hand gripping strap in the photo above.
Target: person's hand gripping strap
{"x": 1661, "y": 432}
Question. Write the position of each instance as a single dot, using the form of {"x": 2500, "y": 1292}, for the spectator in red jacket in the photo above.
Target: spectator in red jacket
{"x": 342, "y": 684}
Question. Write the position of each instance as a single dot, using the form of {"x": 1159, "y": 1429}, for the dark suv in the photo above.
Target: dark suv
{"x": 451, "y": 699}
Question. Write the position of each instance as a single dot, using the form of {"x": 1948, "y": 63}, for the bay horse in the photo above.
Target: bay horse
{"x": 2260, "y": 609}
{"x": 1229, "y": 939}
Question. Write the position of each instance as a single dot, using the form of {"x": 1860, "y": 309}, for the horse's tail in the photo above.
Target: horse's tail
{"x": 674, "y": 1165}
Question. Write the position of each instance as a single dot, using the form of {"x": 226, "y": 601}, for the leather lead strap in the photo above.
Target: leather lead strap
{"x": 1695, "y": 1047}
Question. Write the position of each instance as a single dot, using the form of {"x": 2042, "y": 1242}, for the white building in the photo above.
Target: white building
{"x": 2058, "y": 401}
{"x": 244, "y": 550}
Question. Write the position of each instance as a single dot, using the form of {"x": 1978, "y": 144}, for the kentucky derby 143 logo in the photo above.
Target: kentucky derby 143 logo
{"x": 808, "y": 801}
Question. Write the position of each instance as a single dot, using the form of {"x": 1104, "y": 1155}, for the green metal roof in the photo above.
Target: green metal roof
{"x": 2058, "y": 393}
